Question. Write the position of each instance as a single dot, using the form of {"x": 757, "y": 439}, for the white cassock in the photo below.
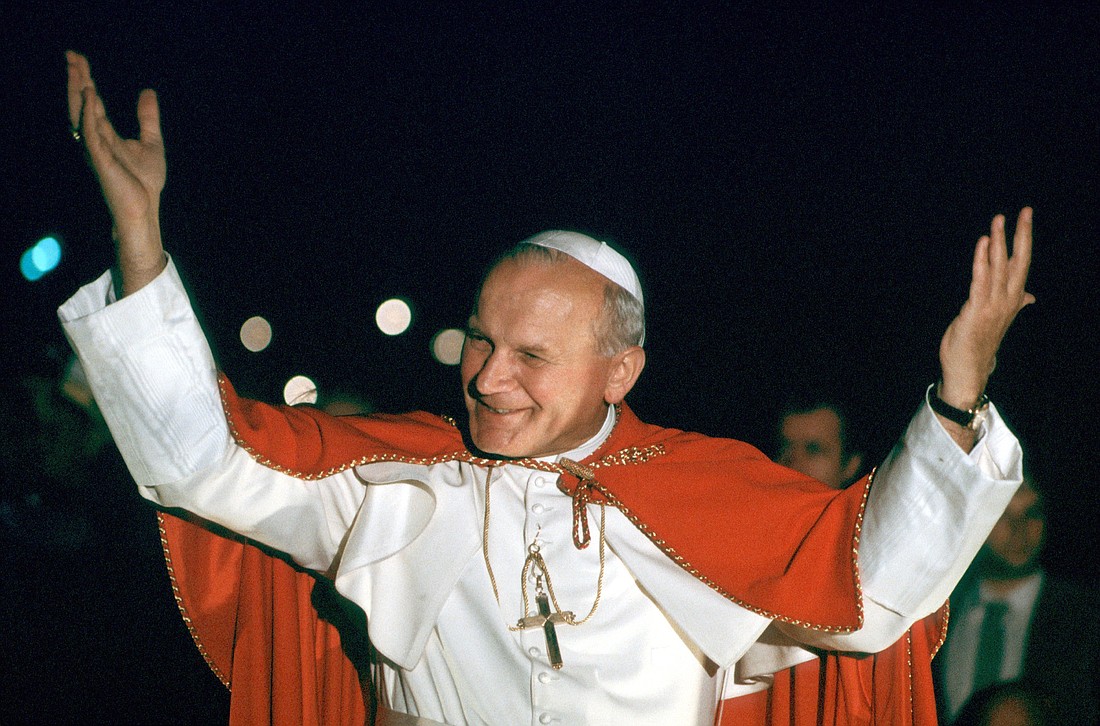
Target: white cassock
{"x": 661, "y": 647}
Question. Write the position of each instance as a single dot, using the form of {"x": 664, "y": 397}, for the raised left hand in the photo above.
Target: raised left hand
{"x": 968, "y": 351}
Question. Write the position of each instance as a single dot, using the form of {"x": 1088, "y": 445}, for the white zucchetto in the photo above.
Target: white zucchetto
{"x": 596, "y": 255}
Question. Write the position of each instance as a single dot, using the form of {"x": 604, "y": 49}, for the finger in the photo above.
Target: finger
{"x": 93, "y": 141}
{"x": 99, "y": 134}
{"x": 79, "y": 76}
{"x": 1021, "y": 251}
{"x": 148, "y": 112}
{"x": 998, "y": 251}
{"x": 979, "y": 273}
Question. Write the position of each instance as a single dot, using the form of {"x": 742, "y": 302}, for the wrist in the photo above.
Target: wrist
{"x": 963, "y": 396}
{"x": 969, "y": 415}
{"x": 141, "y": 256}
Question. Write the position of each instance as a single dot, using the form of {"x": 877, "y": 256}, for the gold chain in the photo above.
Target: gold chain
{"x": 534, "y": 559}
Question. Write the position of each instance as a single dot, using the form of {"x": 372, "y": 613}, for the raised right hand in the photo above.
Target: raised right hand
{"x": 131, "y": 173}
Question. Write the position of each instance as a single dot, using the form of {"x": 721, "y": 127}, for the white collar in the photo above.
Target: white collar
{"x": 1020, "y": 597}
{"x": 588, "y": 447}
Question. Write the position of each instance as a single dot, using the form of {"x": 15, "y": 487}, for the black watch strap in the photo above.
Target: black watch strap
{"x": 969, "y": 418}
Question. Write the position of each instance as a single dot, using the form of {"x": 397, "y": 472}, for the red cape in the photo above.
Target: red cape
{"x": 254, "y": 618}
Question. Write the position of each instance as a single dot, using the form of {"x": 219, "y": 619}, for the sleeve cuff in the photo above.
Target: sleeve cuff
{"x": 152, "y": 374}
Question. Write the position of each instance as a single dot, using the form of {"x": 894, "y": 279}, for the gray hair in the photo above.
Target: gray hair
{"x": 622, "y": 323}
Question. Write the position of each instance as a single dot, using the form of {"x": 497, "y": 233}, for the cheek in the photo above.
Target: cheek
{"x": 1035, "y": 532}
{"x": 823, "y": 469}
{"x": 541, "y": 386}
{"x": 998, "y": 534}
{"x": 554, "y": 392}
{"x": 465, "y": 374}
{"x": 468, "y": 366}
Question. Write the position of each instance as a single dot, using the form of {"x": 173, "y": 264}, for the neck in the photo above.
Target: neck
{"x": 594, "y": 442}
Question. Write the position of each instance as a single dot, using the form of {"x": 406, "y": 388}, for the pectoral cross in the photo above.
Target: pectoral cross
{"x": 545, "y": 620}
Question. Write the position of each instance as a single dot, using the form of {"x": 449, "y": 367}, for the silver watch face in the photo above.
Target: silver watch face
{"x": 979, "y": 417}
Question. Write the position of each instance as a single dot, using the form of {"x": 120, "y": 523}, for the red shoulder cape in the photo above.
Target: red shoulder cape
{"x": 253, "y": 617}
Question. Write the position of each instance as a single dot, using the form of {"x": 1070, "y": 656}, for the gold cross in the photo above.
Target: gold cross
{"x": 545, "y": 620}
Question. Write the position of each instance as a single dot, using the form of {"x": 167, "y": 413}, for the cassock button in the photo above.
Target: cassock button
{"x": 534, "y": 652}
{"x": 545, "y": 677}
{"x": 547, "y": 718}
{"x": 537, "y": 508}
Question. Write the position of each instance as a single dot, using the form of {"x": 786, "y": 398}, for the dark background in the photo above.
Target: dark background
{"x": 800, "y": 189}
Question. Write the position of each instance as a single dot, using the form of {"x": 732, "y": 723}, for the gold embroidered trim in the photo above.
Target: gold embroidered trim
{"x": 672, "y": 554}
{"x": 943, "y": 628}
{"x": 630, "y": 455}
{"x": 909, "y": 672}
{"x": 183, "y": 610}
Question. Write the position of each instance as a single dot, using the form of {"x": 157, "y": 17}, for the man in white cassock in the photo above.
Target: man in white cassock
{"x": 552, "y": 559}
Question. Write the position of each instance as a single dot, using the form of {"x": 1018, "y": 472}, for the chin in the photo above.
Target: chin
{"x": 495, "y": 448}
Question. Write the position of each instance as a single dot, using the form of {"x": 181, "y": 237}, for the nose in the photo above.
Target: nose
{"x": 1023, "y": 528}
{"x": 494, "y": 376}
{"x": 791, "y": 456}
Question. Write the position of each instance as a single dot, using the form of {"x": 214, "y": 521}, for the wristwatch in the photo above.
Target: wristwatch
{"x": 970, "y": 418}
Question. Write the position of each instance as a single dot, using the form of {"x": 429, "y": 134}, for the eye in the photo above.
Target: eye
{"x": 531, "y": 358}
{"x": 477, "y": 341}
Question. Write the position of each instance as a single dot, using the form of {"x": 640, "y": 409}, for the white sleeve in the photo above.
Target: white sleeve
{"x": 930, "y": 508}
{"x": 153, "y": 376}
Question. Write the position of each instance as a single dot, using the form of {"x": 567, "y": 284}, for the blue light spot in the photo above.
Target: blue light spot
{"x": 27, "y": 267}
{"x": 40, "y": 259}
{"x": 46, "y": 254}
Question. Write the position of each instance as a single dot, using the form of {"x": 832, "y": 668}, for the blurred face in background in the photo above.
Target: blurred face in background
{"x": 812, "y": 443}
{"x": 1013, "y": 546}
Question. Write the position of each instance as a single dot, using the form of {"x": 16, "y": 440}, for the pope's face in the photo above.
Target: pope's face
{"x": 534, "y": 381}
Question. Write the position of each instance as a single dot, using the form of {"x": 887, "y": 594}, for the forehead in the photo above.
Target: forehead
{"x": 540, "y": 287}
{"x": 1025, "y": 498}
{"x": 819, "y": 423}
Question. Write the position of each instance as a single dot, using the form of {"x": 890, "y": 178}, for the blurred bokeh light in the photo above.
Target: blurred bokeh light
{"x": 256, "y": 333}
{"x": 447, "y": 346}
{"x": 44, "y": 256}
{"x": 300, "y": 389}
{"x": 393, "y": 317}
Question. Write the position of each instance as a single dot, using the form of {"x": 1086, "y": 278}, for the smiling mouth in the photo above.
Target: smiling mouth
{"x": 494, "y": 409}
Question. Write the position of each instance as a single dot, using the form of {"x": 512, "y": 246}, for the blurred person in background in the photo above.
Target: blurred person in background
{"x": 1011, "y": 620}
{"x": 816, "y": 437}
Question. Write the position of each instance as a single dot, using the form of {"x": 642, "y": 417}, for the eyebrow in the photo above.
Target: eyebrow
{"x": 540, "y": 349}
{"x": 473, "y": 329}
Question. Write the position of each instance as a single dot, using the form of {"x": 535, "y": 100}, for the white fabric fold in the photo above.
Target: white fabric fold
{"x": 145, "y": 355}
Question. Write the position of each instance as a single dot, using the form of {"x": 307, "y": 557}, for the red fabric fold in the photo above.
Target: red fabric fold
{"x": 697, "y": 498}
{"x": 704, "y": 498}
{"x": 891, "y": 688}
{"x": 253, "y": 617}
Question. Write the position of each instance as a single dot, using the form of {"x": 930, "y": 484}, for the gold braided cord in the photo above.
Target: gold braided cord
{"x": 534, "y": 559}
{"x": 485, "y": 537}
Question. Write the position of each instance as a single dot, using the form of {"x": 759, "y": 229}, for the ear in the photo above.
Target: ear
{"x": 855, "y": 461}
{"x": 625, "y": 369}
